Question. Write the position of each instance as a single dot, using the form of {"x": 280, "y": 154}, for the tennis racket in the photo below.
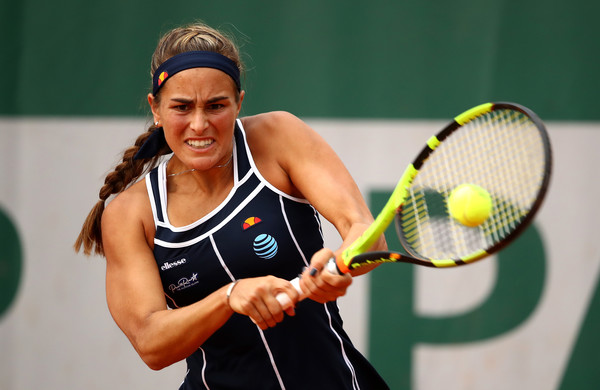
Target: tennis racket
{"x": 503, "y": 148}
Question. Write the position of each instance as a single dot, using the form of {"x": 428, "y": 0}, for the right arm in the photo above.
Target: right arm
{"x": 137, "y": 302}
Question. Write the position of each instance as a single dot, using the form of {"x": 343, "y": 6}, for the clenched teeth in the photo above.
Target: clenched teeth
{"x": 200, "y": 143}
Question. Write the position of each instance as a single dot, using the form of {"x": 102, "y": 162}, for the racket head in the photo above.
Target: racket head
{"x": 502, "y": 147}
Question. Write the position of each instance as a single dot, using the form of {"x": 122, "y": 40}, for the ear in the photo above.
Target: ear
{"x": 242, "y": 94}
{"x": 153, "y": 108}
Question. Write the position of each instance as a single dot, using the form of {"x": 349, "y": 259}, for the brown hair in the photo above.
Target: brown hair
{"x": 179, "y": 40}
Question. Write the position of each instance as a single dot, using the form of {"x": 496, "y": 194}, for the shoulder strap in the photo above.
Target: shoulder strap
{"x": 154, "y": 192}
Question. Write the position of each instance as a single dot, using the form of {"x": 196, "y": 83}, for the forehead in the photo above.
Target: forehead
{"x": 199, "y": 80}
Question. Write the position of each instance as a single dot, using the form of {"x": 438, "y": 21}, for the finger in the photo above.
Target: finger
{"x": 270, "y": 310}
{"x": 284, "y": 301}
{"x": 254, "y": 306}
{"x": 320, "y": 259}
{"x": 317, "y": 265}
{"x": 315, "y": 288}
{"x": 262, "y": 317}
{"x": 324, "y": 286}
{"x": 290, "y": 311}
{"x": 336, "y": 281}
{"x": 290, "y": 294}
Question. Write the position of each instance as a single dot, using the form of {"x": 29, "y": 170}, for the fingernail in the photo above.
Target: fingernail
{"x": 313, "y": 271}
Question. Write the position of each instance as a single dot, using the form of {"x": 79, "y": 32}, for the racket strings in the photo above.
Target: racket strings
{"x": 501, "y": 151}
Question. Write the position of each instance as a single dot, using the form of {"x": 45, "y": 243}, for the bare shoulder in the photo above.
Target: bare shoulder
{"x": 285, "y": 149}
{"x": 279, "y": 141}
{"x": 281, "y": 134}
{"x": 129, "y": 212}
{"x": 128, "y": 201}
{"x": 269, "y": 119}
{"x": 277, "y": 124}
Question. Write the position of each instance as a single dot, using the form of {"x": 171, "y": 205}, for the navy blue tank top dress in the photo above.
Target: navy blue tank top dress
{"x": 257, "y": 231}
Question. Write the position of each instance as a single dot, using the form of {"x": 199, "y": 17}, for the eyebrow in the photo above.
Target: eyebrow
{"x": 209, "y": 101}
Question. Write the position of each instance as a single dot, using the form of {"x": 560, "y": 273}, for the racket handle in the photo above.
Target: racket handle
{"x": 283, "y": 298}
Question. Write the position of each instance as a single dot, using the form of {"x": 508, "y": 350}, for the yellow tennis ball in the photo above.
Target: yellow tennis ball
{"x": 470, "y": 204}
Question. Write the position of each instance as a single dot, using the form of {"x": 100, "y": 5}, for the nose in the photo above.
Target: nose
{"x": 198, "y": 121}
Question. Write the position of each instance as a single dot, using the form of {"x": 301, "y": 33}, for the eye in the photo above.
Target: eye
{"x": 215, "y": 106}
{"x": 181, "y": 107}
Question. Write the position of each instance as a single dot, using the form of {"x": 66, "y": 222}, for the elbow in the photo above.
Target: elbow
{"x": 155, "y": 366}
{"x": 153, "y": 357}
{"x": 154, "y": 361}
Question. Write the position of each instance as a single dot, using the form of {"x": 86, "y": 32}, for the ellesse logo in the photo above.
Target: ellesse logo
{"x": 168, "y": 265}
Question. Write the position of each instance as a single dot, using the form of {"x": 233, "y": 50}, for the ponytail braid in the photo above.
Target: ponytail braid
{"x": 127, "y": 172}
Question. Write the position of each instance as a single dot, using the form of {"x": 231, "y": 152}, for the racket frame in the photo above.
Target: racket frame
{"x": 356, "y": 254}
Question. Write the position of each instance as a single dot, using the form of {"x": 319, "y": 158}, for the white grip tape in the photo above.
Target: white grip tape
{"x": 283, "y": 298}
{"x": 332, "y": 267}
{"x": 296, "y": 283}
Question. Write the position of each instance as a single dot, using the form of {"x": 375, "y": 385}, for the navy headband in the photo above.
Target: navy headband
{"x": 194, "y": 59}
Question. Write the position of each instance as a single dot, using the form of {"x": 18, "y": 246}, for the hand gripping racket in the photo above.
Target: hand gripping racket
{"x": 501, "y": 147}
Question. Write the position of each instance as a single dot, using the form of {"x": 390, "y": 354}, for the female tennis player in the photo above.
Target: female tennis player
{"x": 227, "y": 212}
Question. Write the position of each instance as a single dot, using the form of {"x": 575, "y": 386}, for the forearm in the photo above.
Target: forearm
{"x": 168, "y": 336}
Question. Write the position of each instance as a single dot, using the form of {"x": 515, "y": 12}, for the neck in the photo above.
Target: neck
{"x": 182, "y": 178}
{"x": 183, "y": 171}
